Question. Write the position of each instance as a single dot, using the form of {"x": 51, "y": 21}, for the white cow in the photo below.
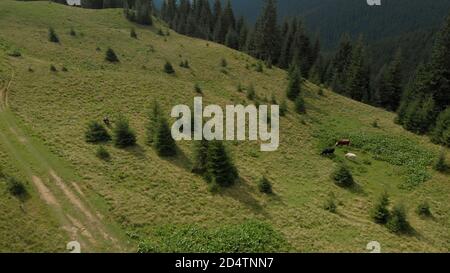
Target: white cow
{"x": 351, "y": 156}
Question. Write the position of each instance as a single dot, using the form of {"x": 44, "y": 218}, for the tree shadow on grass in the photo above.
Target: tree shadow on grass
{"x": 137, "y": 151}
{"x": 181, "y": 160}
{"x": 242, "y": 192}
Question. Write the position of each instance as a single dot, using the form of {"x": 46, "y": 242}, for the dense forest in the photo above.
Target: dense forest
{"x": 365, "y": 67}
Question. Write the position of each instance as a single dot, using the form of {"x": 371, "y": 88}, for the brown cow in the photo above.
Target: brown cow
{"x": 343, "y": 142}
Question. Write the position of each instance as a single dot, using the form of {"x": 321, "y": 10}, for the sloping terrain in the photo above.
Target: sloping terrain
{"x": 137, "y": 196}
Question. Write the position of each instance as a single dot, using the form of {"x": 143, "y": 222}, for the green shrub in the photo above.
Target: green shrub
{"x": 102, "y": 153}
{"x": 343, "y": 177}
{"x": 441, "y": 165}
{"x": 123, "y": 135}
{"x": 423, "y": 209}
{"x": 184, "y": 64}
{"x": 53, "y": 68}
{"x": 251, "y": 94}
{"x": 16, "y": 187}
{"x": 239, "y": 87}
{"x": 168, "y": 68}
{"x": 133, "y": 33}
{"x": 380, "y": 212}
{"x": 223, "y": 63}
{"x": 64, "y": 69}
{"x": 160, "y": 32}
{"x": 300, "y": 105}
{"x": 52, "y": 36}
{"x": 198, "y": 89}
{"x": 320, "y": 92}
{"x": 111, "y": 56}
{"x": 398, "y": 222}
{"x": 96, "y": 133}
{"x": 259, "y": 67}
{"x": 72, "y": 32}
{"x": 264, "y": 185}
{"x": 14, "y": 53}
{"x": 330, "y": 204}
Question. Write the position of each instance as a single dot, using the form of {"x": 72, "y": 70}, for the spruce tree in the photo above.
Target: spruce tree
{"x": 267, "y": 34}
{"x": 111, "y": 56}
{"x": 380, "y": 212}
{"x": 164, "y": 143}
{"x": 123, "y": 135}
{"x": 294, "y": 86}
{"x": 398, "y": 222}
{"x": 152, "y": 124}
{"x": 300, "y": 105}
{"x": 220, "y": 169}
{"x": 441, "y": 132}
{"x": 390, "y": 89}
{"x": 52, "y": 36}
{"x": 96, "y": 132}
{"x": 168, "y": 68}
{"x": 200, "y": 156}
{"x": 357, "y": 83}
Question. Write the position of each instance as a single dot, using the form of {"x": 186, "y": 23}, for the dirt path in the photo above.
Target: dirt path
{"x": 77, "y": 216}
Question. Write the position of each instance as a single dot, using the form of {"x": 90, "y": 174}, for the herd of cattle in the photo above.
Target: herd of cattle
{"x": 340, "y": 143}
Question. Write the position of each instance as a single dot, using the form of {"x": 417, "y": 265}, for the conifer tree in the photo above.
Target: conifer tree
{"x": 441, "y": 132}
{"x": 164, "y": 143}
{"x": 294, "y": 86}
{"x": 390, "y": 89}
{"x": 300, "y": 105}
{"x": 111, "y": 56}
{"x": 96, "y": 132}
{"x": 200, "y": 156}
{"x": 123, "y": 135}
{"x": 52, "y": 36}
{"x": 380, "y": 212}
{"x": 267, "y": 34}
{"x": 153, "y": 118}
{"x": 220, "y": 169}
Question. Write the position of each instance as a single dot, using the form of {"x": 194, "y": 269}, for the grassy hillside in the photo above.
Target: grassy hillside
{"x": 139, "y": 198}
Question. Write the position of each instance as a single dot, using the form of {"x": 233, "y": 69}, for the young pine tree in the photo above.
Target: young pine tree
{"x": 300, "y": 105}
{"x": 441, "y": 132}
{"x": 343, "y": 177}
{"x": 200, "y": 157}
{"x": 380, "y": 212}
{"x": 52, "y": 36}
{"x": 220, "y": 169}
{"x": 398, "y": 222}
{"x": 153, "y": 118}
{"x": 111, "y": 56}
{"x": 164, "y": 143}
{"x": 123, "y": 135}
{"x": 294, "y": 86}
{"x": 96, "y": 133}
{"x": 441, "y": 165}
{"x": 168, "y": 68}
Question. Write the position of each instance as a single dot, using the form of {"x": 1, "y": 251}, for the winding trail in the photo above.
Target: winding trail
{"x": 67, "y": 201}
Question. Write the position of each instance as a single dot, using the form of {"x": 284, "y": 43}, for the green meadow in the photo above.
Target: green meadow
{"x": 138, "y": 201}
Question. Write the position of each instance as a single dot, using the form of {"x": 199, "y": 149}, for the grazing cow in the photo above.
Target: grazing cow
{"x": 106, "y": 121}
{"x": 351, "y": 156}
{"x": 343, "y": 142}
{"x": 328, "y": 151}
